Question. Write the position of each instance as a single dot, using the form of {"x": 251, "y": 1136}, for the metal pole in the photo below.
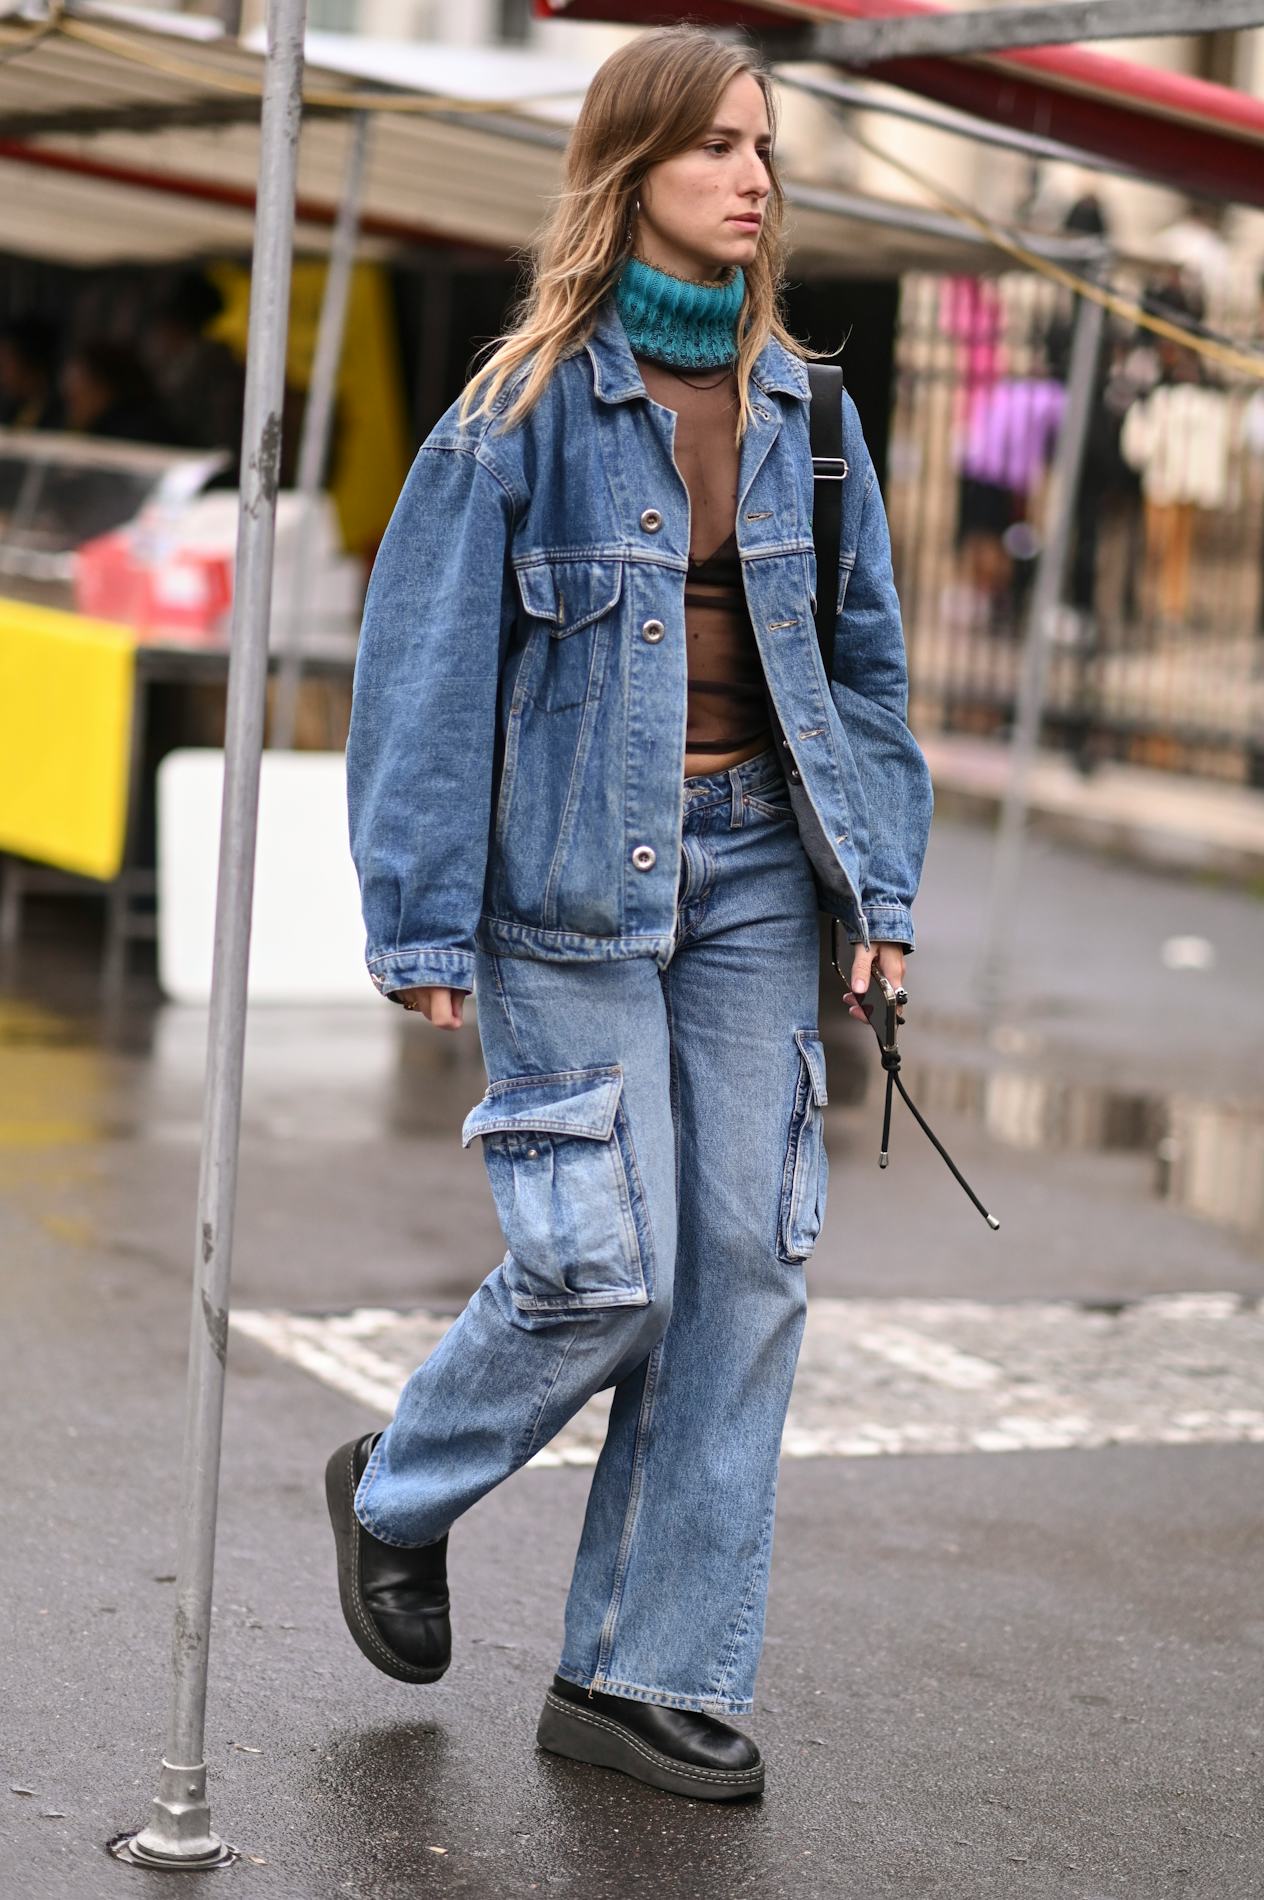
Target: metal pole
{"x": 179, "y": 1832}
{"x": 1007, "y": 862}
{"x": 318, "y": 418}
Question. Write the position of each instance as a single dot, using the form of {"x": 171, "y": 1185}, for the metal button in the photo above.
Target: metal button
{"x": 533, "y": 1154}
{"x": 643, "y": 857}
{"x": 792, "y": 771}
{"x": 653, "y": 631}
{"x": 651, "y": 521}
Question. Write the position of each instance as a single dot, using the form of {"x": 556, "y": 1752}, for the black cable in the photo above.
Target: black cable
{"x": 891, "y": 1063}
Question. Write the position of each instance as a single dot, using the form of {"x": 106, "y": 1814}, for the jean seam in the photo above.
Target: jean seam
{"x": 758, "y": 804}
{"x": 666, "y": 1698}
{"x": 502, "y": 997}
{"x": 700, "y": 904}
{"x": 647, "y": 1258}
{"x": 547, "y": 1395}
{"x": 794, "y": 1141}
{"x": 632, "y": 1510}
{"x": 740, "y": 1622}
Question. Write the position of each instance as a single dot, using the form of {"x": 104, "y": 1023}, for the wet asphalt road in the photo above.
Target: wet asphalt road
{"x": 1011, "y": 1674}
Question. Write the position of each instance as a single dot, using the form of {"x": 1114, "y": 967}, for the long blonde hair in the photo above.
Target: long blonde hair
{"x": 651, "y": 99}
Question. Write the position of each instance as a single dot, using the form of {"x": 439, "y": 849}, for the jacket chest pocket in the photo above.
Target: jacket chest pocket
{"x": 567, "y": 1189}
{"x": 805, "y": 1174}
{"x": 566, "y": 599}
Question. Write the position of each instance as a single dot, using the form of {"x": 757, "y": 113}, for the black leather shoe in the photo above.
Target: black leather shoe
{"x": 681, "y": 1750}
{"x": 395, "y": 1600}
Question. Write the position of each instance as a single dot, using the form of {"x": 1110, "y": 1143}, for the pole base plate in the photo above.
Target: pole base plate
{"x": 123, "y": 1847}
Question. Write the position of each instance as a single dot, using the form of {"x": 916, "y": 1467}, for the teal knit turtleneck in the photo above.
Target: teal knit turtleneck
{"x": 674, "y": 320}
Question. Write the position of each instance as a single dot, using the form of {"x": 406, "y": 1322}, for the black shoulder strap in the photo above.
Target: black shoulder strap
{"x": 829, "y": 471}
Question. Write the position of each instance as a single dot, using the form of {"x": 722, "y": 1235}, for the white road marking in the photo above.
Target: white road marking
{"x": 929, "y": 1358}
{"x": 877, "y": 1377}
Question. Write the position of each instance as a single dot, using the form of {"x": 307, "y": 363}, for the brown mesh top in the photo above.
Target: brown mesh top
{"x": 729, "y": 708}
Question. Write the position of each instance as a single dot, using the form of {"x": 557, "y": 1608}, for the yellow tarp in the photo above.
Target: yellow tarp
{"x": 371, "y": 449}
{"x": 65, "y": 737}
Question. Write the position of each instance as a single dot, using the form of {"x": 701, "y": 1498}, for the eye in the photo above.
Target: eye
{"x": 717, "y": 145}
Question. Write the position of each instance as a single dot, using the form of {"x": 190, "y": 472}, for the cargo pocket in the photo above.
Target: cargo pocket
{"x": 567, "y": 1189}
{"x": 806, "y": 1173}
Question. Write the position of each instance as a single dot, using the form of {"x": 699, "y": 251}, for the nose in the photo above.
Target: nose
{"x": 756, "y": 183}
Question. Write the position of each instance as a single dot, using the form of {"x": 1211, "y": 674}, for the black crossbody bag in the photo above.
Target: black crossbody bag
{"x": 829, "y": 472}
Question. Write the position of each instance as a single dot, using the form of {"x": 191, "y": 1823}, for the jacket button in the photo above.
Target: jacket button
{"x": 643, "y": 857}
{"x": 651, "y": 521}
{"x": 653, "y": 631}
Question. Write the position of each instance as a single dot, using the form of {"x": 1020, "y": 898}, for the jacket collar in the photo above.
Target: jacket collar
{"x": 616, "y": 376}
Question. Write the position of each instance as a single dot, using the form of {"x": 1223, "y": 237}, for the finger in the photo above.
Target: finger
{"x": 891, "y": 963}
{"x": 861, "y": 964}
{"x": 442, "y": 1012}
{"x": 423, "y": 1000}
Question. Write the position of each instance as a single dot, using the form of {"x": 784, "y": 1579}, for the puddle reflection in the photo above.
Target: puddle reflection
{"x": 356, "y": 1075}
{"x": 1208, "y": 1156}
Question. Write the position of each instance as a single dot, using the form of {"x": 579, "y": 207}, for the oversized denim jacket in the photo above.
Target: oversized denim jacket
{"x": 516, "y": 751}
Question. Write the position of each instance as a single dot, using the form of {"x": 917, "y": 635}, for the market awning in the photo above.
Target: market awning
{"x": 124, "y": 140}
{"x": 1180, "y": 131}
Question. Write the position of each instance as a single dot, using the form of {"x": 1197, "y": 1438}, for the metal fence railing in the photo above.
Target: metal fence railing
{"x": 1157, "y": 651}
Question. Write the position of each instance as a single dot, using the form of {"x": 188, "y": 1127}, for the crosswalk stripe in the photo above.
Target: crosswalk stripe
{"x": 881, "y": 1377}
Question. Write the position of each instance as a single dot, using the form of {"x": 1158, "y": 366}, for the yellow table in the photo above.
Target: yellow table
{"x": 77, "y": 751}
{"x": 67, "y": 688}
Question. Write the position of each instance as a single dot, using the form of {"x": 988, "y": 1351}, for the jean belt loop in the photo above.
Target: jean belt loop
{"x": 737, "y": 811}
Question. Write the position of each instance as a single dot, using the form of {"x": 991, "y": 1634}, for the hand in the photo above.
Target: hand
{"x": 442, "y": 1007}
{"x": 889, "y": 958}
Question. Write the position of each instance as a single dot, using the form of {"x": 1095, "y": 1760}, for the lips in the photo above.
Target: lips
{"x": 752, "y": 224}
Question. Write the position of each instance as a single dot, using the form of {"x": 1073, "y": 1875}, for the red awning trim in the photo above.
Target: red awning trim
{"x": 1186, "y": 132}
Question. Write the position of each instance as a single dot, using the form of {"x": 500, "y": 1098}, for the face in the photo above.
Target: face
{"x": 702, "y": 209}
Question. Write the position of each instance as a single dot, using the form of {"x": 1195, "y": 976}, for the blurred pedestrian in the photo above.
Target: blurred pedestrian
{"x": 1003, "y": 458}
{"x": 597, "y": 774}
{"x": 106, "y": 390}
{"x": 199, "y": 378}
{"x": 28, "y": 375}
{"x": 1178, "y": 438}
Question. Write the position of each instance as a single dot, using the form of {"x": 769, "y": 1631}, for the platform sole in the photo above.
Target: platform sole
{"x": 340, "y": 1490}
{"x": 585, "y": 1735}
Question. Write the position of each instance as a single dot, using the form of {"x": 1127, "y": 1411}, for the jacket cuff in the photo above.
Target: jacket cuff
{"x": 418, "y": 967}
{"x": 889, "y": 923}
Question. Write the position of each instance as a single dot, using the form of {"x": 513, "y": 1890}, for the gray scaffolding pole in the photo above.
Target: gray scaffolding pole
{"x": 1007, "y": 861}
{"x": 179, "y": 1831}
{"x": 318, "y": 417}
{"x": 955, "y": 33}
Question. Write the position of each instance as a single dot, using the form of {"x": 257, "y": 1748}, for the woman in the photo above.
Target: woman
{"x": 597, "y": 774}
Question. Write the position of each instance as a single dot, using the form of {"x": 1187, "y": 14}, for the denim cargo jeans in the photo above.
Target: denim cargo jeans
{"x": 653, "y": 1138}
